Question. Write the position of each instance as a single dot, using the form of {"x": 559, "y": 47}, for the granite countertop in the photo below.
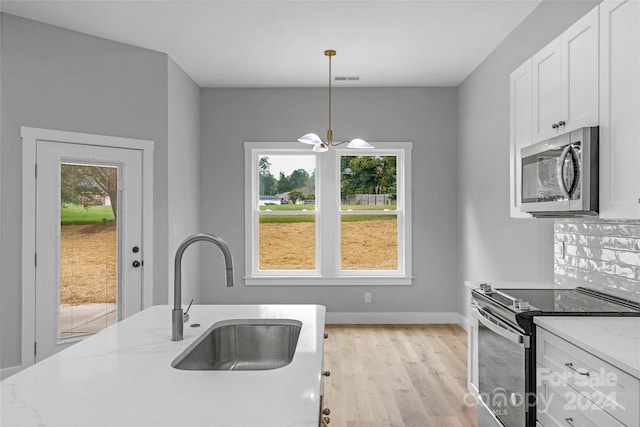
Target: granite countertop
{"x": 123, "y": 377}
{"x": 613, "y": 339}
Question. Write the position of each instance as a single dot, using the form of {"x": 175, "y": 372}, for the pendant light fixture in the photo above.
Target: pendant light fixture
{"x": 318, "y": 144}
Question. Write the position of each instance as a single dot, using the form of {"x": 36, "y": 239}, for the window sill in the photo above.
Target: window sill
{"x": 328, "y": 281}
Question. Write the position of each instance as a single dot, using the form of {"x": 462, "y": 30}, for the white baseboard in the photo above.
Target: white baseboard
{"x": 7, "y": 372}
{"x": 338, "y": 318}
{"x": 463, "y": 321}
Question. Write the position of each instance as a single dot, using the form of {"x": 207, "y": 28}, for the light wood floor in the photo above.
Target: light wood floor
{"x": 397, "y": 376}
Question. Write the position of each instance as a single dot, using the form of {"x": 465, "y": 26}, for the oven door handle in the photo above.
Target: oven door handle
{"x": 490, "y": 322}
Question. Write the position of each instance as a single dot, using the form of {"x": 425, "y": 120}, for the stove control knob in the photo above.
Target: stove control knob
{"x": 485, "y": 287}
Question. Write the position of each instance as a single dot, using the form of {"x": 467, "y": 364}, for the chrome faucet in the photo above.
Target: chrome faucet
{"x": 177, "y": 316}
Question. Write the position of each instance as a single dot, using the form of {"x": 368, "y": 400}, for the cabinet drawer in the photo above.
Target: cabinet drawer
{"x": 562, "y": 406}
{"x": 613, "y": 390}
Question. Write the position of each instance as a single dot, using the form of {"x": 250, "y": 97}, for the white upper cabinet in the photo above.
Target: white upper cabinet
{"x": 547, "y": 86}
{"x": 565, "y": 80}
{"x": 620, "y": 109}
{"x": 520, "y": 132}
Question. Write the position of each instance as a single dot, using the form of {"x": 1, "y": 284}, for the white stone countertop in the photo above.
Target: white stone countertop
{"x": 122, "y": 377}
{"x": 613, "y": 339}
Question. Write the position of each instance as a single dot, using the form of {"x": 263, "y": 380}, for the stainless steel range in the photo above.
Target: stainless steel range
{"x": 506, "y": 343}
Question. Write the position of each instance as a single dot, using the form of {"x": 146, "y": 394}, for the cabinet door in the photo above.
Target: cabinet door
{"x": 565, "y": 80}
{"x": 547, "y": 90}
{"x": 620, "y": 109}
{"x": 521, "y": 132}
{"x": 580, "y": 73}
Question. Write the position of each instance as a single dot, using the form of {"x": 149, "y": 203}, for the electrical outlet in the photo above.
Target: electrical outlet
{"x": 367, "y": 297}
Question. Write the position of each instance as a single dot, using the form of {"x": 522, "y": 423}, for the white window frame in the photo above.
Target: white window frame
{"x": 328, "y": 218}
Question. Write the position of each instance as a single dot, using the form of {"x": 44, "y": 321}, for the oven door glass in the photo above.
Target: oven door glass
{"x": 552, "y": 176}
{"x": 501, "y": 376}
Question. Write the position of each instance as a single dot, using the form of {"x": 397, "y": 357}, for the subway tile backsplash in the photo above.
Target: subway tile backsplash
{"x": 599, "y": 254}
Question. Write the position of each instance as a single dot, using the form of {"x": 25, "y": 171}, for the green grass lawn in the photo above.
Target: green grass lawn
{"x": 280, "y": 219}
{"x": 344, "y": 207}
{"x": 70, "y": 215}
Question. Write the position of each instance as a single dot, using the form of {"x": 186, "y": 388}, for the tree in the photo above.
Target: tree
{"x": 284, "y": 184}
{"x": 368, "y": 175}
{"x": 268, "y": 183}
{"x": 295, "y": 195}
{"x": 81, "y": 183}
{"x": 298, "y": 178}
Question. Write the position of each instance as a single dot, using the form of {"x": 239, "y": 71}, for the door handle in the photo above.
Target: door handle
{"x": 568, "y": 152}
{"x": 136, "y": 264}
{"x": 563, "y": 157}
{"x": 513, "y": 336}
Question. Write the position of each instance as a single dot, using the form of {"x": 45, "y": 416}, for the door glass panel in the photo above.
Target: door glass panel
{"x": 88, "y": 249}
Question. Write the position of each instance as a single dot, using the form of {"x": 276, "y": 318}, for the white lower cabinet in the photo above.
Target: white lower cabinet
{"x": 576, "y": 388}
{"x": 323, "y": 418}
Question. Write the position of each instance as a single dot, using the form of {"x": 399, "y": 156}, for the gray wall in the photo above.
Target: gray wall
{"x": 59, "y": 79}
{"x": 184, "y": 177}
{"x": 2, "y": 293}
{"x": 494, "y": 247}
{"x": 424, "y": 116}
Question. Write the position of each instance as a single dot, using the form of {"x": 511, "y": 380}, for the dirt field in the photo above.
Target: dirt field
{"x": 88, "y": 254}
{"x": 367, "y": 245}
{"x": 88, "y": 264}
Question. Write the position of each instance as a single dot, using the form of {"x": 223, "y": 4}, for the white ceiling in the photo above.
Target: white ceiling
{"x": 267, "y": 43}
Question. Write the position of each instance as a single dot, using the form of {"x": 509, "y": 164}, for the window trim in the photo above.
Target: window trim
{"x": 327, "y": 218}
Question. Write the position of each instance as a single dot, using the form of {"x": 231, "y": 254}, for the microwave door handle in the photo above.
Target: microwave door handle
{"x": 563, "y": 157}
{"x": 576, "y": 172}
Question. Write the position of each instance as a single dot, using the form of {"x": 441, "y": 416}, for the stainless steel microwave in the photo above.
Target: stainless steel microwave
{"x": 560, "y": 175}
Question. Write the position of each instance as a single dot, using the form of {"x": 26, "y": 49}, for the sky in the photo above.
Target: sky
{"x": 289, "y": 163}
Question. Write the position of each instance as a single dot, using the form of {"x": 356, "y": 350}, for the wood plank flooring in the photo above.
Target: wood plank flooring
{"x": 397, "y": 376}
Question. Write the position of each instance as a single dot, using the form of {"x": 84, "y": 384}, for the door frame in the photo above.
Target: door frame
{"x": 30, "y": 136}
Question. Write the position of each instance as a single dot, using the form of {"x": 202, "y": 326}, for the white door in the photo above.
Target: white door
{"x": 89, "y": 264}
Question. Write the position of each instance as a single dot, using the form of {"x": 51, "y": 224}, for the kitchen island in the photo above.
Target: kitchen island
{"x": 123, "y": 377}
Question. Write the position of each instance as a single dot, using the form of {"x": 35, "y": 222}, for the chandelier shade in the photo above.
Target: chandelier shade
{"x": 310, "y": 138}
{"x": 359, "y": 143}
{"x": 320, "y": 145}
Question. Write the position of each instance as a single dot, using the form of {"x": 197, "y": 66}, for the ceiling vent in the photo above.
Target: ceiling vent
{"x": 346, "y": 78}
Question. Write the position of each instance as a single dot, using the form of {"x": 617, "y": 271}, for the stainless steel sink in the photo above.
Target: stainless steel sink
{"x": 242, "y": 345}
